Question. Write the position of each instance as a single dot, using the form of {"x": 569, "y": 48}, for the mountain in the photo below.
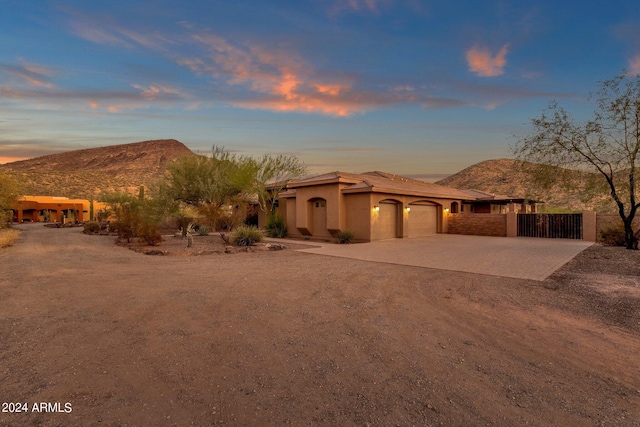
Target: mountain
{"x": 86, "y": 173}
{"x": 518, "y": 179}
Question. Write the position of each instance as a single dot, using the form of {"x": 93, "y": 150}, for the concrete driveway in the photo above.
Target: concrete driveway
{"x": 521, "y": 257}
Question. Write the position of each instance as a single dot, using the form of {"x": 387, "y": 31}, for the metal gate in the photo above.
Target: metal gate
{"x": 555, "y": 226}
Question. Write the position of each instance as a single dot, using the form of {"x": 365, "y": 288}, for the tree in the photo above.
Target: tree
{"x": 274, "y": 172}
{"x": 608, "y": 144}
{"x": 9, "y": 194}
{"x": 202, "y": 180}
{"x": 211, "y": 183}
{"x": 139, "y": 216}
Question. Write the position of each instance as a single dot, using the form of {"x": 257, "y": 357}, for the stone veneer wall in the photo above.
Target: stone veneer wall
{"x": 478, "y": 224}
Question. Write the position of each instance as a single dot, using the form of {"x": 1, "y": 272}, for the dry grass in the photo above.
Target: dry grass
{"x": 8, "y": 237}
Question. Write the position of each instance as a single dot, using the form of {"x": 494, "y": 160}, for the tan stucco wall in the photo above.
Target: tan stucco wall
{"x": 335, "y": 207}
{"x": 358, "y": 215}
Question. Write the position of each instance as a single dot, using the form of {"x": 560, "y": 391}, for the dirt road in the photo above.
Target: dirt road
{"x": 105, "y": 336}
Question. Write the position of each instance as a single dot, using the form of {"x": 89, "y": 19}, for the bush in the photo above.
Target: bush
{"x": 613, "y": 236}
{"x": 276, "y": 227}
{"x": 8, "y": 237}
{"x": 150, "y": 233}
{"x": 91, "y": 227}
{"x": 203, "y": 230}
{"x": 246, "y": 235}
{"x": 345, "y": 236}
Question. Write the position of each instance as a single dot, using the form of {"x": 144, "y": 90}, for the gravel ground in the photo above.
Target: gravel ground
{"x": 106, "y": 336}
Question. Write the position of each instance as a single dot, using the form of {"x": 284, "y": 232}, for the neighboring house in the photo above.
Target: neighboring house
{"x": 54, "y": 209}
{"x": 483, "y": 202}
{"x": 373, "y": 205}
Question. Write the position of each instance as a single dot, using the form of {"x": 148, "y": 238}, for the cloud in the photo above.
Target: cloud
{"x": 28, "y": 74}
{"x": 277, "y": 79}
{"x": 484, "y": 64}
{"x": 340, "y": 6}
{"x": 634, "y": 66}
{"x": 103, "y": 31}
{"x": 112, "y": 101}
{"x": 247, "y": 74}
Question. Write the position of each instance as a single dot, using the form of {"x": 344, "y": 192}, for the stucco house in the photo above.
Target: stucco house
{"x": 484, "y": 202}
{"x": 52, "y": 208}
{"x": 373, "y": 205}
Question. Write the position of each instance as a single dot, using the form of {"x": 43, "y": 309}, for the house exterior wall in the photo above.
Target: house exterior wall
{"x": 359, "y": 212}
{"x": 335, "y": 209}
{"x": 58, "y": 209}
{"x": 354, "y": 211}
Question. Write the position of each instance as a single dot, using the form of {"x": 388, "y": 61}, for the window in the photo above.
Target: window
{"x": 454, "y": 207}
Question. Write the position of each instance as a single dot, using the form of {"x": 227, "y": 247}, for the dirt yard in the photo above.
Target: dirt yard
{"x": 106, "y": 336}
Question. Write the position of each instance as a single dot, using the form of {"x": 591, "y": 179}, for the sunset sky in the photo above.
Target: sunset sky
{"x": 404, "y": 86}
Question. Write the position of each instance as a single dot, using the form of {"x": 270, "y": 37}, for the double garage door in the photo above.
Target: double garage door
{"x": 422, "y": 220}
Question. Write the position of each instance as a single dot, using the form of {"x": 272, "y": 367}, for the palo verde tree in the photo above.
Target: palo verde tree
{"x": 209, "y": 183}
{"x": 198, "y": 180}
{"x": 273, "y": 174}
{"x": 608, "y": 143}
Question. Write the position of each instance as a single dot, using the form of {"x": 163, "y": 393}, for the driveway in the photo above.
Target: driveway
{"x": 522, "y": 257}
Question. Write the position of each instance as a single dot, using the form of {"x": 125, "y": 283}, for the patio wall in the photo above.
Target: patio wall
{"x": 478, "y": 224}
{"x": 506, "y": 225}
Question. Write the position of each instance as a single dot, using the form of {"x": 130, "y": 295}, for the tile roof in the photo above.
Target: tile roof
{"x": 381, "y": 182}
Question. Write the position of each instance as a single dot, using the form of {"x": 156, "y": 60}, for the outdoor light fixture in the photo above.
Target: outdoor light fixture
{"x": 408, "y": 209}
{"x": 376, "y": 208}
{"x": 446, "y": 210}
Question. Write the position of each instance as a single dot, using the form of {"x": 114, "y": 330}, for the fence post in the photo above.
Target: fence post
{"x": 589, "y": 226}
{"x": 512, "y": 224}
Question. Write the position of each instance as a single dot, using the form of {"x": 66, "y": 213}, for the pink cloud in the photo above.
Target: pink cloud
{"x": 29, "y": 74}
{"x": 634, "y": 66}
{"x": 280, "y": 79}
{"x": 484, "y": 64}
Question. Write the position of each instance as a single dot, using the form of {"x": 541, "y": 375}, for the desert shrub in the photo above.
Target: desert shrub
{"x": 115, "y": 226}
{"x": 276, "y": 227}
{"x": 203, "y": 230}
{"x": 150, "y": 233}
{"x": 613, "y": 236}
{"x": 8, "y": 237}
{"x": 247, "y": 235}
{"x": 345, "y": 236}
{"x": 91, "y": 227}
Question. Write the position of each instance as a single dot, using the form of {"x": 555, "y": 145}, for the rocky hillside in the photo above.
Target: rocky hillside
{"x": 518, "y": 179}
{"x": 86, "y": 173}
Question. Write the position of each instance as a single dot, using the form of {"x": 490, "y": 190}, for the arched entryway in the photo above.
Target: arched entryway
{"x": 318, "y": 217}
{"x": 423, "y": 219}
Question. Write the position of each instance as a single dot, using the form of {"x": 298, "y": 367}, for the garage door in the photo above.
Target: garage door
{"x": 388, "y": 221}
{"x": 423, "y": 220}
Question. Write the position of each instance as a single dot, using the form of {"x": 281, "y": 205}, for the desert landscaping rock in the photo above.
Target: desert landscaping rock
{"x": 289, "y": 338}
